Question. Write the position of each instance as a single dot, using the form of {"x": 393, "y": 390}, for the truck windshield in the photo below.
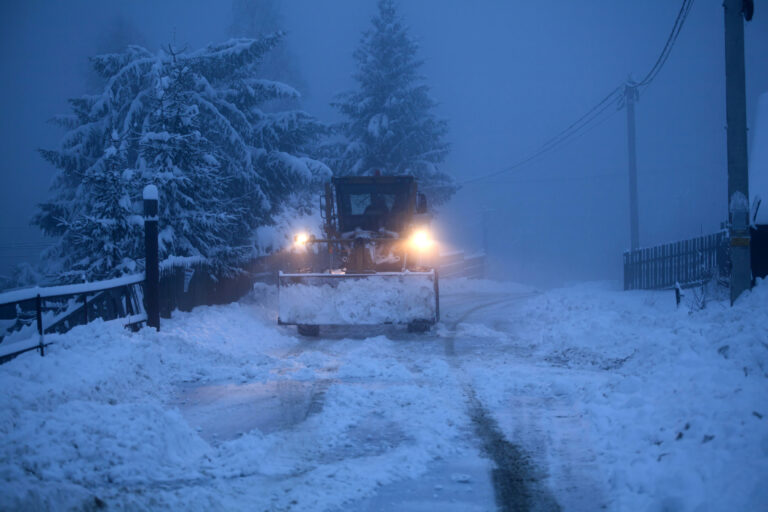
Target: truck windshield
{"x": 372, "y": 207}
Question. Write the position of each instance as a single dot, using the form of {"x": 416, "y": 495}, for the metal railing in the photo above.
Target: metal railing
{"x": 686, "y": 262}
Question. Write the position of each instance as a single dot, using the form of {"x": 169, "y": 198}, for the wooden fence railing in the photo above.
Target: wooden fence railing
{"x": 59, "y": 308}
{"x": 28, "y": 315}
{"x": 686, "y": 262}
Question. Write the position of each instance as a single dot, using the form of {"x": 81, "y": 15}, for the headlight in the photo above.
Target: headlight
{"x": 420, "y": 240}
{"x": 301, "y": 239}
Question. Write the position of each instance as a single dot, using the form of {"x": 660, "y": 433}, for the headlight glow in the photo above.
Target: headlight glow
{"x": 420, "y": 240}
{"x": 301, "y": 238}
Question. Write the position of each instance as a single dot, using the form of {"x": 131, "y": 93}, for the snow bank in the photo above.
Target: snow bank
{"x": 632, "y": 403}
{"x": 625, "y": 401}
{"x": 379, "y": 299}
{"x": 98, "y": 422}
{"x": 90, "y": 421}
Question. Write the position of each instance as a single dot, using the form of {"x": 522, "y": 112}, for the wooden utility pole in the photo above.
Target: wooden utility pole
{"x": 736, "y": 119}
{"x": 630, "y": 95}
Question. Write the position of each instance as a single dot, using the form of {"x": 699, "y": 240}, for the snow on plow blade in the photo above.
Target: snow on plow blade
{"x": 358, "y": 299}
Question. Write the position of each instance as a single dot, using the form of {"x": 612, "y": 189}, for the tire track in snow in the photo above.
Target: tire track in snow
{"x": 450, "y": 347}
{"x": 516, "y": 478}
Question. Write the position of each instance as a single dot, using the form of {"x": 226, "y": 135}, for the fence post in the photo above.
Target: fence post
{"x": 626, "y": 271}
{"x": 152, "y": 263}
{"x": 39, "y": 309}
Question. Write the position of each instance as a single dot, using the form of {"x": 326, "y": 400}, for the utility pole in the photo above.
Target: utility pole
{"x": 630, "y": 95}
{"x": 736, "y": 119}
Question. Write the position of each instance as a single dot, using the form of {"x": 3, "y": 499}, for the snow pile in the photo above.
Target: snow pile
{"x": 103, "y": 419}
{"x": 623, "y": 400}
{"x": 379, "y": 299}
{"x": 90, "y": 420}
{"x": 634, "y": 404}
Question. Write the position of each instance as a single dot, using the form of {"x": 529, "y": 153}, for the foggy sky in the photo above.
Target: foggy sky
{"x": 507, "y": 76}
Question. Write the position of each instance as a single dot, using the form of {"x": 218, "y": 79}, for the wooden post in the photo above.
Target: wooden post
{"x": 152, "y": 263}
{"x": 39, "y": 308}
{"x": 85, "y": 307}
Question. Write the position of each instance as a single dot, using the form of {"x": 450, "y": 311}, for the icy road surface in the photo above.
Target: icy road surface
{"x": 583, "y": 398}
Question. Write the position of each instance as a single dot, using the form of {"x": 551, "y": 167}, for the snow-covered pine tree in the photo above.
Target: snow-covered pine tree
{"x": 185, "y": 167}
{"x": 390, "y": 125}
{"x": 256, "y": 18}
{"x": 191, "y": 124}
{"x": 113, "y": 37}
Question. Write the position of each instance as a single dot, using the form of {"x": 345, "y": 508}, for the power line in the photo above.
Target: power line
{"x": 581, "y": 127}
{"x": 614, "y": 94}
{"x": 685, "y": 8}
{"x": 559, "y": 179}
{"x": 614, "y": 97}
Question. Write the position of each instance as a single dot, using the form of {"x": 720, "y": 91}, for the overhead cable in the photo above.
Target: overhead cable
{"x": 587, "y": 120}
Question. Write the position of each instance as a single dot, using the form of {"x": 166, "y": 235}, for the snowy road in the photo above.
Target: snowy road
{"x": 583, "y": 398}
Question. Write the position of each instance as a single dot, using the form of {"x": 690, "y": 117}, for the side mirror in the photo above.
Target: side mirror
{"x": 421, "y": 203}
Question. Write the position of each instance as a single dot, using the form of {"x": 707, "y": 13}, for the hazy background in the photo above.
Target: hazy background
{"x": 508, "y": 75}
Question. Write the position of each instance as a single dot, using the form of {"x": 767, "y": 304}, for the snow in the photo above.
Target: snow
{"x": 173, "y": 262}
{"x": 758, "y": 161}
{"x": 661, "y": 408}
{"x": 622, "y": 399}
{"x": 357, "y": 300}
{"x": 7, "y": 348}
{"x": 739, "y": 208}
{"x": 377, "y": 124}
{"x": 150, "y": 193}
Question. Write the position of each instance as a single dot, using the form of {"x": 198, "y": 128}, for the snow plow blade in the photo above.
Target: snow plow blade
{"x": 359, "y": 299}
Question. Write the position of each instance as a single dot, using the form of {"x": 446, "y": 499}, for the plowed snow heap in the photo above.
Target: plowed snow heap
{"x": 375, "y": 256}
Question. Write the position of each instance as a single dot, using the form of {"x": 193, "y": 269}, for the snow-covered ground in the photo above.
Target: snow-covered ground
{"x": 585, "y": 398}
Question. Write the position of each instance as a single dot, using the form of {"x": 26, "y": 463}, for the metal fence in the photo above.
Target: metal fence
{"x": 686, "y": 262}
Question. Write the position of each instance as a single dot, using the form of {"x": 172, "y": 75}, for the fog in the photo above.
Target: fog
{"x": 507, "y": 76}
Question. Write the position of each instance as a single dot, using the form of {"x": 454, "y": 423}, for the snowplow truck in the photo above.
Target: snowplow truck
{"x": 375, "y": 257}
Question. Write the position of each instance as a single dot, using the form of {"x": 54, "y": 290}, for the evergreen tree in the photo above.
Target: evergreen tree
{"x": 258, "y": 18}
{"x": 190, "y": 123}
{"x": 114, "y": 37}
{"x": 390, "y": 125}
